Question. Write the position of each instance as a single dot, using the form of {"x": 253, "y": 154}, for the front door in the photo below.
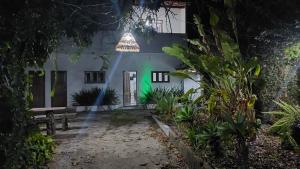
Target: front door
{"x": 129, "y": 88}
{"x": 58, "y": 88}
{"x": 37, "y": 88}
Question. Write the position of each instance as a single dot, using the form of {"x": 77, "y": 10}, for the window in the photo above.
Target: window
{"x": 157, "y": 25}
{"x": 94, "y": 77}
{"x": 160, "y": 76}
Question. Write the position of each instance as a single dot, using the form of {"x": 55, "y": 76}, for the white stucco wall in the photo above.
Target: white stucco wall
{"x": 143, "y": 63}
{"x": 151, "y": 58}
{"x": 189, "y": 84}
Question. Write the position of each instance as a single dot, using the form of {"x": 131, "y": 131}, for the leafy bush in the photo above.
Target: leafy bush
{"x": 185, "y": 115}
{"x": 288, "y": 123}
{"x": 149, "y": 97}
{"x": 211, "y": 135}
{"x": 95, "y": 96}
{"x": 166, "y": 105}
{"x": 165, "y": 100}
{"x": 33, "y": 152}
{"x": 227, "y": 78}
{"x": 110, "y": 97}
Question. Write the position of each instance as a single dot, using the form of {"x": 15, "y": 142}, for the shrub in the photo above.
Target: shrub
{"x": 185, "y": 114}
{"x": 211, "y": 136}
{"x": 110, "y": 97}
{"x": 95, "y": 96}
{"x": 33, "y": 152}
{"x": 287, "y": 125}
{"x": 149, "y": 97}
{"x": 166, "y": 105}
{"x": 227, "y": 80}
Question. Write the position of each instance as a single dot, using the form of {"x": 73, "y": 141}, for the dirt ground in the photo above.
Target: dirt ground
{"x": 112, "y": 140}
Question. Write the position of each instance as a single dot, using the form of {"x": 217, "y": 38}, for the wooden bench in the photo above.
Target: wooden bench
{"x": 50, "y": 115}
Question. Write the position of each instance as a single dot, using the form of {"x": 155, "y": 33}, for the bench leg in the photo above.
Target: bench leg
{"x": 64, "y": 123}
{"x": 49, "y": 130}
{"x": 51, "y": 124}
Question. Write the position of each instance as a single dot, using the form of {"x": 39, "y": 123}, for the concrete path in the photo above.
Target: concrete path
{"x": 119, "y": 140}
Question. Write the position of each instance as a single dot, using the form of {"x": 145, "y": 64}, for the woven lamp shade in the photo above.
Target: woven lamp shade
{"x": 127, "y": 44}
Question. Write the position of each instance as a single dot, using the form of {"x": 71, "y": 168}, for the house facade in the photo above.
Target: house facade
{"x": 71, "y": 69}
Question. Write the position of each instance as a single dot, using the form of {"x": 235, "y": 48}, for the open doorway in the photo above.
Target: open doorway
{"x": 38, "y": 89}
{"x": 59, "y": 86}
{"x": 129, "y": 88}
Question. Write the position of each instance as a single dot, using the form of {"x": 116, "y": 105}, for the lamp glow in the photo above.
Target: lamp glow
{"x": 127, "y": 44}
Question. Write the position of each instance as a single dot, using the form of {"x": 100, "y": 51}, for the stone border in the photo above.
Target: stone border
{"x": 96, "y": 108}
{"x": 192, "y": 160}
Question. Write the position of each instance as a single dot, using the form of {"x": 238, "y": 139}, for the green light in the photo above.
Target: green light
{"x": 145, "y": 82}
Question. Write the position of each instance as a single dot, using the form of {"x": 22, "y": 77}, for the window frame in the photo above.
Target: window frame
{"x": 98, "y": 77}
{"x": 157, "y": 25}
{"x": 163, "y": 76}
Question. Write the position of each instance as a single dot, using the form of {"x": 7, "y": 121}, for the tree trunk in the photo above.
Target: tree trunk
{"x": 243, "y": 153}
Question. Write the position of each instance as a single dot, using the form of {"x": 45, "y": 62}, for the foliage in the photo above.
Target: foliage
{"x": 228, "y": 81}
{"x": 34, "y": 152}
{"x": 292, "y": 53}
{"x": 288, "y": 117}
{"x": 95, "y": 97}
{"x": 149, "y": 96}
{"x": 30, "y": 31}
{"x": 211, "y": 135}
{"x": 166, "y": 105}
{"x": 165, "y": 99}
{"x": 185, "y": 114}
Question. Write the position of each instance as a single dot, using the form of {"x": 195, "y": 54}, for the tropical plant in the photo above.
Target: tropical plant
{"x": 288, "y": 123}
{"x": 211, "y": 135}
{"x": 149, "y": 96}
{"x": 110, "y": 97}
{"x": 96, "y": 97}
{"x": 185, "y": 114}
{"x": 34, "y": 152}
{"x": 191, "y": 134}
{"x": 227, "y": 81}
{"x": 166, "y": 105}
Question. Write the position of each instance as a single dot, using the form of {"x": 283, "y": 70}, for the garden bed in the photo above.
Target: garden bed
{"x": 264, "y": 152}
{"x": 191, "y": 159}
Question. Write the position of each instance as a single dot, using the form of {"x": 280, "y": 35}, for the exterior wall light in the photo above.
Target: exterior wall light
{"x": 127, "y": 44}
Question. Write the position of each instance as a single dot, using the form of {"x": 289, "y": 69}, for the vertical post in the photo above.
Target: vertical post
{"x": 51, "y": 123}
{"x": 49, "y": 128}
{"x": 64, "y": 123}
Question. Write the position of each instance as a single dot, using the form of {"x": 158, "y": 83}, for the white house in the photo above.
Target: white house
{"x": 130, "y": 74}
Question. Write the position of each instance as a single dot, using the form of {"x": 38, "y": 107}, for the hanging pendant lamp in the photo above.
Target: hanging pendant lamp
{"x": 127, "y": 44}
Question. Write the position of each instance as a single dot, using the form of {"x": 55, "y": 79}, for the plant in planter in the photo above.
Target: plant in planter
{"x": 166, "y": 105}
{"x": 110, "y": 97}
{"x": 287, "y": 126}
{"x": 149, "y": 96}
{"x": 86, "y": 97}
{"x": 95, "y": 97}
{"x": 185, "y": 115}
